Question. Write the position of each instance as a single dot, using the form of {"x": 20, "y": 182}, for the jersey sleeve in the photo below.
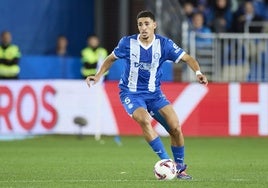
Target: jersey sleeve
{"x": 174, "y": 52}
{"x": 120, "y": 51}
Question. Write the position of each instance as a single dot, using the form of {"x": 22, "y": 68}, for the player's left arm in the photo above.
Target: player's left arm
{"x": 194, "y": 65}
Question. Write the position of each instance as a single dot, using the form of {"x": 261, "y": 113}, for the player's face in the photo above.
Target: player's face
{"x": 146, "y": 27}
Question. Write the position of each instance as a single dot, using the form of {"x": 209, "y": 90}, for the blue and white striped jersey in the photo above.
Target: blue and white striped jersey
{"x": 143, "y": 63}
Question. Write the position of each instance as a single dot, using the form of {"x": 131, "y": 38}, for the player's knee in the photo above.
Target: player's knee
{"x": 143, "y": 121}
{"x": 175, "y": 131}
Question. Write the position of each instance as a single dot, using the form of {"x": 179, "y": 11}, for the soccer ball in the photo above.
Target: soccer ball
{"x": 165, "y": 169}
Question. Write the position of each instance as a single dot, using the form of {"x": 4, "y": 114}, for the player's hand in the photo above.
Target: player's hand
{"x": 202, "y": 79}
{"x": 91, "y": 80}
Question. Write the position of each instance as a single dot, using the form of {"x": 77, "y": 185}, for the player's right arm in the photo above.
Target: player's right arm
{"x": 119, "y": 52}
{"x": 109, "y": 60}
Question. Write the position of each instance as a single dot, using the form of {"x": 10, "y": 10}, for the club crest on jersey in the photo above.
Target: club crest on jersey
{"x": 156, "y": 56}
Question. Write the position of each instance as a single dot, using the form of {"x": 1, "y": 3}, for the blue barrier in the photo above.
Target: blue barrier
{"x": 50, "y": 67}
{"x": 54, "y": 67}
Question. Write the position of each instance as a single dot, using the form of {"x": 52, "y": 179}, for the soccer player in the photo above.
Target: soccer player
{"x": 140, "y": 92}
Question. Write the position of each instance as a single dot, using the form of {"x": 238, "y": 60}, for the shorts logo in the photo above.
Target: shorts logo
{"x": 130, "y": 105}
{"x": 151, "y": 113}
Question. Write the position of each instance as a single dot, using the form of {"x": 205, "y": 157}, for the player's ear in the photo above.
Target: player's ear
{"x": 155, "y": 25}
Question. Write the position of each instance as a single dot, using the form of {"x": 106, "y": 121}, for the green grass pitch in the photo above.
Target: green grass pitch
{"x": 66, "y": 161}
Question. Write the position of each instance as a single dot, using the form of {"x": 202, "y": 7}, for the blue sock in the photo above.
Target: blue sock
{"x": 159, "y": 148}
{"x": 178, "y": 154}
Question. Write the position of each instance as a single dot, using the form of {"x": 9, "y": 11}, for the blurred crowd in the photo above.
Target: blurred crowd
{"x": 92, "y": 55}
{"x": 204, "y": 16}
{"x": 234, "y": 16}
{"x": 238, "y": 60}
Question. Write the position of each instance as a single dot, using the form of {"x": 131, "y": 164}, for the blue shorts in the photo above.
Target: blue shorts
{"x": 152, "y": 102}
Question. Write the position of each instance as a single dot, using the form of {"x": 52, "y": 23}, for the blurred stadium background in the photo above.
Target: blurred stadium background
{"x": 50, "y": 92}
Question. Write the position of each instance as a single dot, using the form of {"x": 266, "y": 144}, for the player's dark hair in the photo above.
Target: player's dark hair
{"x": 146, "y": 13}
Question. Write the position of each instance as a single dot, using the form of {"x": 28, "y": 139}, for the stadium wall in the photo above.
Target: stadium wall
{"x": 50, "y": 106}
{"x": 54, "y": 67}
{"x": 35, "y": 25}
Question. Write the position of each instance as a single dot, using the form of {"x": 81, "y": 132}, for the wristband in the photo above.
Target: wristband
{"x": 198, "y": 72}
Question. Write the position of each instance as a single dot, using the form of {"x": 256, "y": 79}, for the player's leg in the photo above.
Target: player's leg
{"x": 142, "y": 117}
{"x": 135, "y": 107}
{"x": 170, "y": 120}
{"x": 161, "y": 110}
{"x": 174, "y": 129}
